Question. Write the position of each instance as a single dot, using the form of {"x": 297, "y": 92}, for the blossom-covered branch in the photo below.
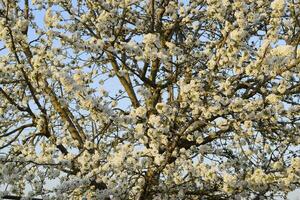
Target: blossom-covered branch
{"x": 149, "y": 99}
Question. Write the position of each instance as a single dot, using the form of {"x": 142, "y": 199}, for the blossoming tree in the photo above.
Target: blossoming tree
{"x": 207, "y": 105}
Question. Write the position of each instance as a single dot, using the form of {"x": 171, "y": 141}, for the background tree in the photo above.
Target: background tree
{"x": 149, "y": 99}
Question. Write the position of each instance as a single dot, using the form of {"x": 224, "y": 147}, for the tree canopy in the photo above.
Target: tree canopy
{"x": 149, "y": 99}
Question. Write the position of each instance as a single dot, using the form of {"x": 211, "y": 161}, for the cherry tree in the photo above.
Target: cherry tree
{"x": 149, "y": 99}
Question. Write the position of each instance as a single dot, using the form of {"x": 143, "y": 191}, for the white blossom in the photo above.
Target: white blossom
{"x": 277, "y": 4}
